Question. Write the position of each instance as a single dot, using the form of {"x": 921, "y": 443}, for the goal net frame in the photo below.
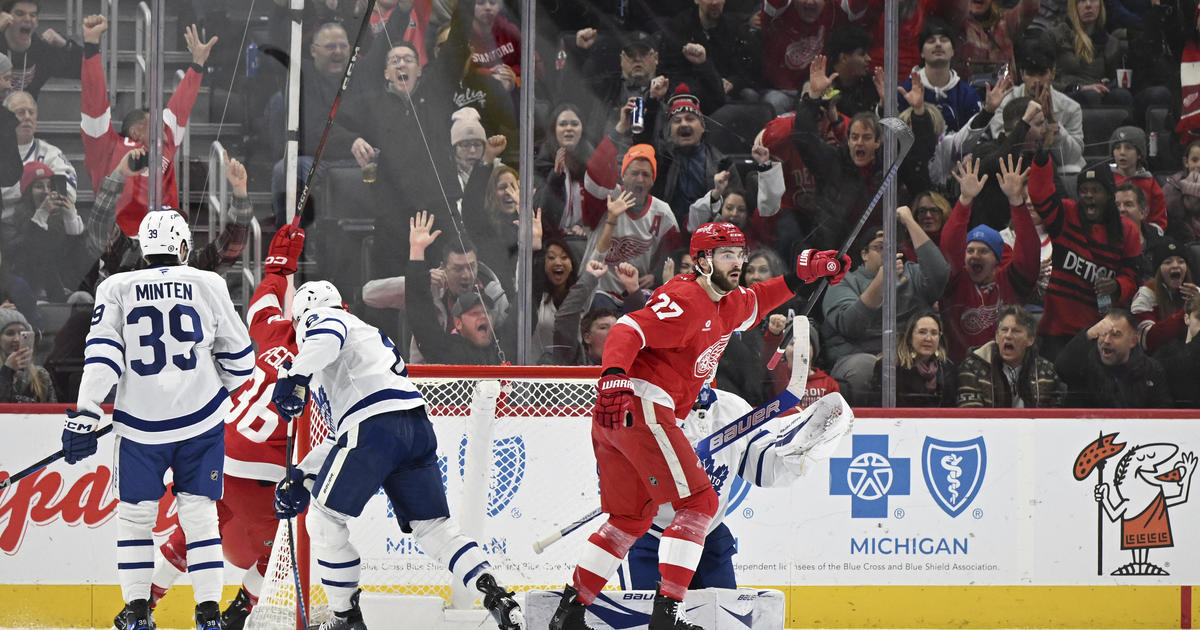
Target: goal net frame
{"x": 524, "y": 434}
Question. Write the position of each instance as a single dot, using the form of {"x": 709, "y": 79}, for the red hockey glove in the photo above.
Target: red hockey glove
{"x": 284, "y": 252}
{"x": 813, "y": 264}
{"x": 614, "y": 401}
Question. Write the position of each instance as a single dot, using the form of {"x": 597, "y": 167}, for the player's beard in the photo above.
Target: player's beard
{"x": 722, "y": 281}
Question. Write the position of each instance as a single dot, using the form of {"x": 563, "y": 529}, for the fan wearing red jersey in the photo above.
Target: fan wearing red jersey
{"x": 255, "y": 444}
{"x": 655, "y": 362}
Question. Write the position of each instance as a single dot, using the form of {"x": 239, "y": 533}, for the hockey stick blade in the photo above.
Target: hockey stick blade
{"x": 540, "y": 545}
{"x": 790, "y": 397}
{"x": 904, "y": 141}
{"x": 46, "y": 461}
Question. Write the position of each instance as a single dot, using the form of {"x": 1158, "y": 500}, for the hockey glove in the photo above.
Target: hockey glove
{"x": 291, "y": 496}
{"x": 813, "y": 264}
{"x": 284, "y": 253}
{"x": 79, "y": 432}
{"x": 290, "y": 394}
{"x": 614, "y": 401}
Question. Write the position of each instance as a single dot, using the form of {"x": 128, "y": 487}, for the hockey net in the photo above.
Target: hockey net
{"x": 517, "y": 464}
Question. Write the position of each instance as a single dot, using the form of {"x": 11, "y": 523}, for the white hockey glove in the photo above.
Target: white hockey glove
{"x": 816, "y": 432}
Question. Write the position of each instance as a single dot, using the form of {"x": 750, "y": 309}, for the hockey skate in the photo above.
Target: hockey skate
{"x": 135, "y": 616}
{"x": 234, "y": 617}
{"x": 348, "y": 620}
{"x": 569, "y": 615}
{"x": 500, "y": 603}
{"x": 668, "y": 615}
{"x": 208, "y": 616}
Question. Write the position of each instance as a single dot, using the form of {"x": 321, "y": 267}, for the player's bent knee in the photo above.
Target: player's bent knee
{"x": 138, "y": 516}
{"x": 631, "y": 526}
{"x": 326, "y": 527}
{"x": 705, "y": 502}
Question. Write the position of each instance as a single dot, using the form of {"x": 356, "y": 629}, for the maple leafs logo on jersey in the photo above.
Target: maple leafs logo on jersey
{"x": 717, "y": 475}
{"x": 707, "y": 361}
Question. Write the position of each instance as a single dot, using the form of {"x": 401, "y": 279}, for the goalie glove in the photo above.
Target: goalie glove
{"x": 79, "y": 432}
{"x": 290, "y": 393}
{"x": 816, "y": 432}
{"x": 291, "y": 495}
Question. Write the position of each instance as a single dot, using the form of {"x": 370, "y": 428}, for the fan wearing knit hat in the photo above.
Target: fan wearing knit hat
{"x": 21, "y": 381}
{"x": 685, "y": 125}
{"x": 469, "y": 141}
{"x": 1128, "y": 149}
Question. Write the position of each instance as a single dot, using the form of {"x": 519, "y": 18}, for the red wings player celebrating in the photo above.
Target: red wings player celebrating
{"x": 255, "y": 444}
{"x": 655, "y": 362}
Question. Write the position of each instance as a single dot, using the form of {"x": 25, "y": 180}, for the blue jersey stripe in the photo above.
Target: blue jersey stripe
{"x": 238, "y": 372}
{"x": 234, "y": 355}
{"x": 339, "y": 565}
{"x": 461, "y": 550}
{"x": 104, "y": 361}
{"x": 201, "y": 566}
{"x": 204, "y": 543}
{"x": 125, "y": 566}
{"x": 105, "y": 341}
{"x": 377, "y": 397}
{"x": 341, "y": 584}
{"x": 170, "y": 424}
{"x": 147, "y": 542}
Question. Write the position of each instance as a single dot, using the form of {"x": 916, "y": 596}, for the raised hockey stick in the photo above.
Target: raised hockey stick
{"x": 302, "y": 198}
{"x": 904, "y": 142}
{"x": 729, "y": 433}
{"x": 46, "y": 461}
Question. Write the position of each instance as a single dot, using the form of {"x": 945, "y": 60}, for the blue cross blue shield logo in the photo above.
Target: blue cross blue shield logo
{"x": 870, "y": 476}
{"x": 953, "y": 471}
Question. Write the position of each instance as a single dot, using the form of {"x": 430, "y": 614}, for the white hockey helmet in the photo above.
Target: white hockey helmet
{"x": 164, "y": 232}
{"x": 314, "y": 294}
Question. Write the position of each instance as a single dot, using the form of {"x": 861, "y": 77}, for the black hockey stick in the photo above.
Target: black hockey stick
{"x": 301, "y": 601}
{"x": 46, "y": 461}
{"x": 302, "y": 198}
{"x": 904, "y": 142}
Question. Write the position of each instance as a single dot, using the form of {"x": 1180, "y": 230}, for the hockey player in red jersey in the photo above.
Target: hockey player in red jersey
{"x": 255, "y": 444}
{"x": 655, "y": 362}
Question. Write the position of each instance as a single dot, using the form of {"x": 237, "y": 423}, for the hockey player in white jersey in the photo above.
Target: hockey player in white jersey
{"x": 767, "y": 459}
{"x": 168, "y": 337}
{"x": 381, "y": 437}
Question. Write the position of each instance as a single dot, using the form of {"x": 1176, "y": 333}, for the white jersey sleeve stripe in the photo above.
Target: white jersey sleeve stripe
{"x": 234, "y": 355}
{"x": 96, "y": 126}
{"x": 266, "y": 301}
{"x": 103, "y": 340}
{"x": 158, "y": 426}
{"x": 104, "y": 361}
{"x": 238, "y": 372}
{"x": 628, "y": 321}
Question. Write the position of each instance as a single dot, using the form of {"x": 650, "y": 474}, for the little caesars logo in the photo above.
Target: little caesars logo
{"x": 707, "y": 361}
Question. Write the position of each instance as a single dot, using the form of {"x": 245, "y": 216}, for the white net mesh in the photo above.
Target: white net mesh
{"x": 540, "y": 475}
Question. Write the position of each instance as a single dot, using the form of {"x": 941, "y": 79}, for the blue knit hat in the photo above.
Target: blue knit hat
{"x": 989, "y": 237}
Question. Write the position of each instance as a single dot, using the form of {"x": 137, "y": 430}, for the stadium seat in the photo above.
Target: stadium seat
{"x": 1098, "y": 125}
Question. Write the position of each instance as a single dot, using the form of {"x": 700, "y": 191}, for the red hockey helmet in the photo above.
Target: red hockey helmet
{"x": 710, "y": 236}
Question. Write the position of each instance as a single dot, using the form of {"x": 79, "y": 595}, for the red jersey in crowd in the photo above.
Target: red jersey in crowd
{"x": 1156, "y": 201}
{"x": 1082, "y": 251}
{"x": 103, "y": 147}
{"x": 798, "y": 179}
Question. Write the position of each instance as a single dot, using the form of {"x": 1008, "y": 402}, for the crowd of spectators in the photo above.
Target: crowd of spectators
{"x": 1035, "y": 268}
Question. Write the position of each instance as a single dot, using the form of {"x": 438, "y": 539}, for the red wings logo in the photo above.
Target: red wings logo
{"x": 626, "y": 248}
{"x": 707, "y": 361}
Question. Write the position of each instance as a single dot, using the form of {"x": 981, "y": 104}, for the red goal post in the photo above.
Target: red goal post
{"x": 516, "y": 460}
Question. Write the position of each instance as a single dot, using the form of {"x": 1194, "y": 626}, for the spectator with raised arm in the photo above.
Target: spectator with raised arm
{"x": 1104, "y": 367}
{"x": 1007, "y": 372}
{"x": 1095, "y": 252}
{"x": 733, "y": 45}
{"x": 36, "y": 57}
{"x": 1026, "y": 131}
{"x": 848, "y": 50}
{"x": 687, "y": 160}
{"x": 731, "y": 204}
{"x": 944, "y": 89}
{"x": 795, "y": 32}
{"x": 981, "y": 281}
{"x": 988, "y": 33}
{"x": 853, "y": 325}
{"x": 32, "y": 149}
{"x": 579, "y": 336}
{"x": 104, "y": 145}
{"x": 1036, "y": 59}
{"x": 560, "y": 164}
{"x": 475, "y": 340}
{"x": 1168, "y": 289}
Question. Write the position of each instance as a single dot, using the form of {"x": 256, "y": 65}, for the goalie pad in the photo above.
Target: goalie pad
{"x": 817, "y": 431}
